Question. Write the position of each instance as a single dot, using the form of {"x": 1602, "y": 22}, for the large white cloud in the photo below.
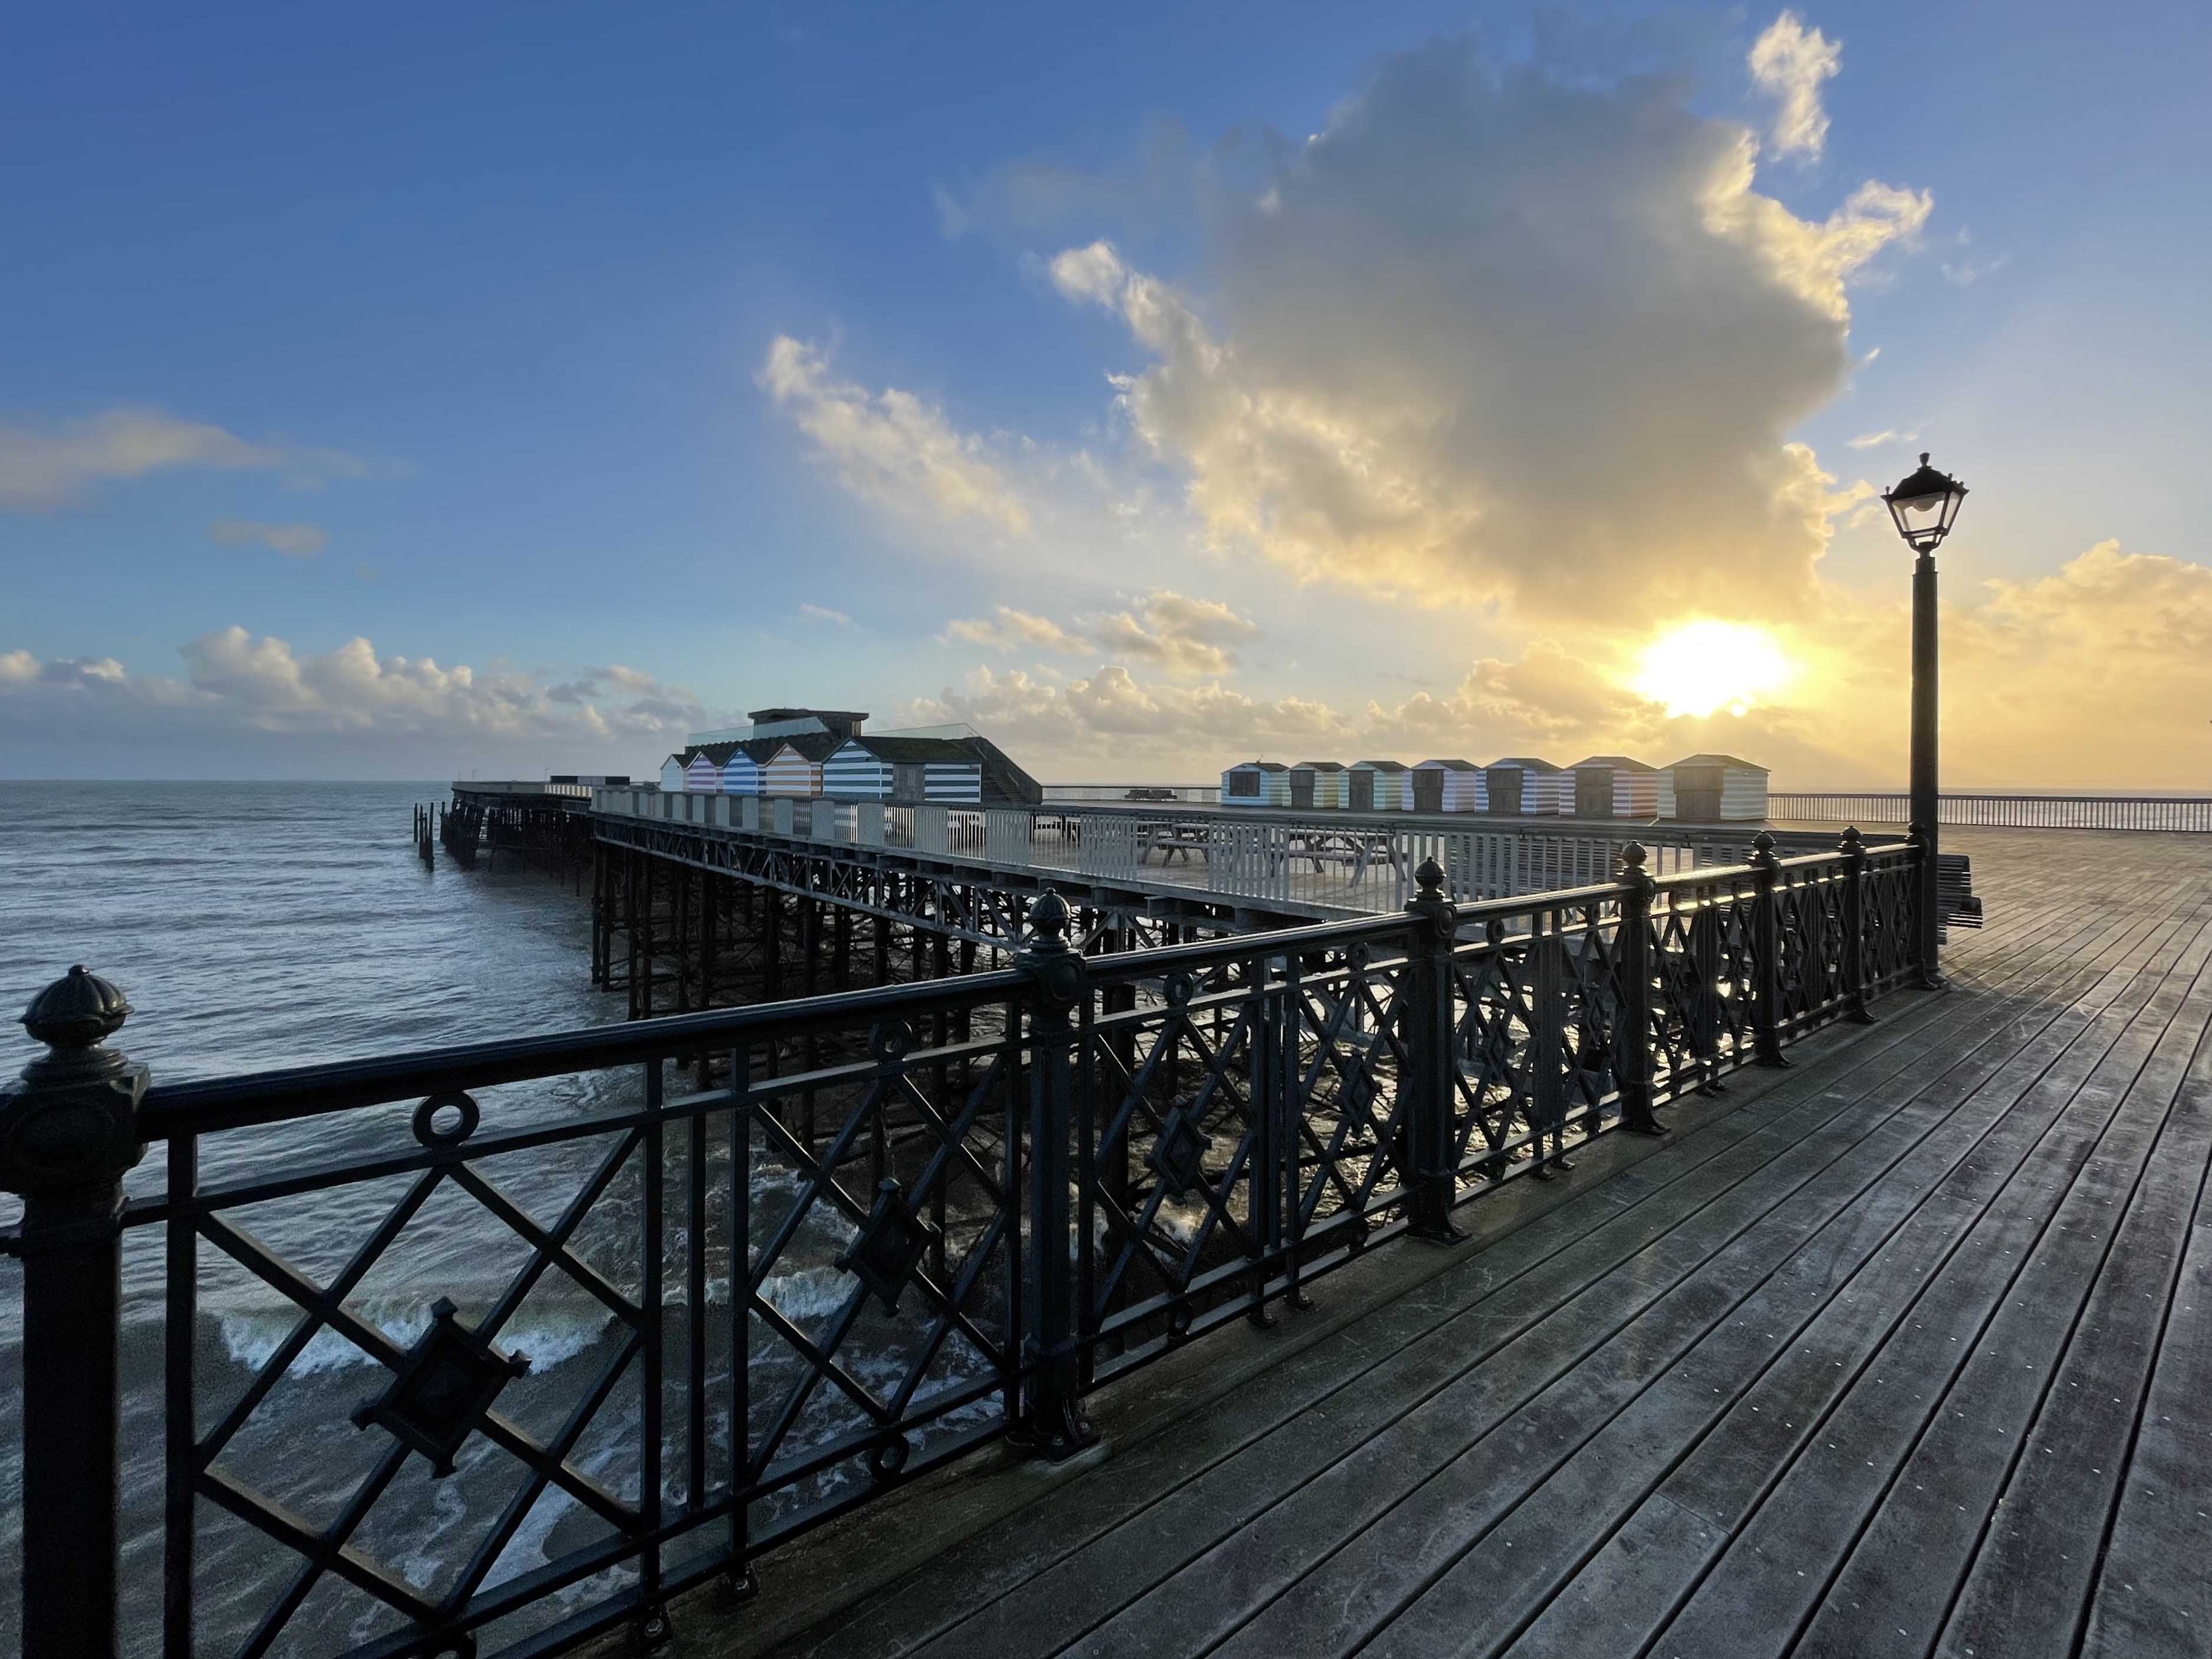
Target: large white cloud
{"x": 1489, "y": 336}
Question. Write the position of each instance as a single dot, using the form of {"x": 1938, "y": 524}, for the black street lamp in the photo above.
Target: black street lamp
{"x": 1924, "y": 506}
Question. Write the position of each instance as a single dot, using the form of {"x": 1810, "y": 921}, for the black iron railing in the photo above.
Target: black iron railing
{"x": 2175, "y": 812}
{"x": 800, "y": 1253}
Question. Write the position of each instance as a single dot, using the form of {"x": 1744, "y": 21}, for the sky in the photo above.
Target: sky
{"x": 496, "y": 390}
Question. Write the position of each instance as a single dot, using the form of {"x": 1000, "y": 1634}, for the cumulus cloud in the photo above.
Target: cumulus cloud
{"x": 47, "y": 466}
{"x": 1182, "y": 635}
{"x": 1186, "y": 637}
{"x": 1790, "y": 63}
{"x": 1491, "y": 338}
{"x": 260, "y": 704}
{"x": 1008, "y": 629}
{"x": 298, "y": 541}
{"x": 889, "y": 447}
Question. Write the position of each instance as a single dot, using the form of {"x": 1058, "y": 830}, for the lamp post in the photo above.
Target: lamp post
{"x": 1924, "y": 506}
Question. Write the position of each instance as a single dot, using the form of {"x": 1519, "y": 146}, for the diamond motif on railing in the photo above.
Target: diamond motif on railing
{"x": 443, "y": 1390}
{"x": 890, "y": 1247}
{"x": 1178, "y": 1156}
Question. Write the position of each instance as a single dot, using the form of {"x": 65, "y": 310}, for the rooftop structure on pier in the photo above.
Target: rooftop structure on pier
{"x": 825, "y": 751}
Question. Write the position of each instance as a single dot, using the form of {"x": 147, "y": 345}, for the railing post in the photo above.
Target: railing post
{"x": 68, "y": 1132}
{"x": 1053, "y": 1423}
{"x": 1428, "y": 1027}
{"x": 1926, "y": 921}
{"x": 1631, "y": 1025}
{"x": 1853, "y": 846}
{"x": 1766, "y": 955}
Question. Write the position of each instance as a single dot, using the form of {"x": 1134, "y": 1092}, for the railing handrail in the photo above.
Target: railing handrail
{"x": 287, "y": 1093}
{"x": 2006, "y": 795}
{"x": 1995, "y": 810}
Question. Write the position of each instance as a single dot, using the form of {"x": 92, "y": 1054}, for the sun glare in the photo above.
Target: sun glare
{"x": 1702, "y": 667}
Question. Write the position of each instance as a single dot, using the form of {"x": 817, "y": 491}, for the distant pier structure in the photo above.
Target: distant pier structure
{"x": 545, "y": 822}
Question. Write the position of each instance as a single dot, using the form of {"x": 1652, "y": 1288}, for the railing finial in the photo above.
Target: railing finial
{"x": 1430, "y": 876}
{"x": 1850, "y": 841}
{"x": 1762, "y": 851}
{"x": 72, "y": 1120}
{"x": 1048, "y": 919}
{"x": 1632, "y": 858}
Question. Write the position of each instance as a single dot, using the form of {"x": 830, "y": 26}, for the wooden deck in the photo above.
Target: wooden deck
{"x": 1906, "y": 1350}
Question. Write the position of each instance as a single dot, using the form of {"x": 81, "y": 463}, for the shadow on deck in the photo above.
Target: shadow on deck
{"x": 1902, "y": 1351}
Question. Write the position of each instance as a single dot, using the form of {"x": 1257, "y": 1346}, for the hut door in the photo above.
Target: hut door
{"x": 1429, "y": 791}
{"x": 1697, "y": 794}
{"x": 1363, "y": 792}
{"x": 1506, "y": 791}
{"x": 1302, "y": 788}
{"x": 1594, "y": 792}
{"x": 909, "y": 782}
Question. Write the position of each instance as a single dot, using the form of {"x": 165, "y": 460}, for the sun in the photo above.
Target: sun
{"x": 1700, "y": 666}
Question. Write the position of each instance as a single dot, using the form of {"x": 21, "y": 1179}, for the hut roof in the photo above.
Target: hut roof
{"x": 1721, "y": 760}
{"x": 1318, "y": 766}
{"x": 1449, "y": 765}
{"x": 1378, "y": 766}
{"x": 1618, "y": 762}
{"x": 815, "y": 746}
{"x": 1002, "y": 781}
{"x": 1529, "y": 763}
{"x": 941, "y": 750}
{"x": 718, "y": 754}
{"x": 1259, "y": 766}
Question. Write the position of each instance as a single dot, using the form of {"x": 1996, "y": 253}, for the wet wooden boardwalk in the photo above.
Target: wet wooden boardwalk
{"x": 1906, "y": 1350}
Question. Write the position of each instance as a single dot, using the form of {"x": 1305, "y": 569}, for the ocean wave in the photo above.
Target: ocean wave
{"x": 252, "y": 1336}
{"x": 807, "y": 1293}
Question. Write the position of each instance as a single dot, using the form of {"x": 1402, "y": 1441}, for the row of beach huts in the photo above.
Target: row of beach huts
{"x": 1700, "y": 789}
{"x": 809, "y": 754}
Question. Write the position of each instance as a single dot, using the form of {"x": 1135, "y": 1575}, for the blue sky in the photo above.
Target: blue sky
{"x": 454, "y": 333}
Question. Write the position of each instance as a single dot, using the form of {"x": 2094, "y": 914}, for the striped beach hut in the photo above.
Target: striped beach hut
{"x": 1256, "y": 783}
{"x": 741, "y": 773}
{"x": 701, "y": 777}
{"x": 1522, "y": 785}
{"x": 1718, "y": 789}
{"x": 788, "y": 772}
{"x": 1381, "y": 785}
{"x": 672, "y": 773}
{"x": 1616, "y": 786}
{"x": 1449, "y": 785}
{"x": 1319, "y": 783}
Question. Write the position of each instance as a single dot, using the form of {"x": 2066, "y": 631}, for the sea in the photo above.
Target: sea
{"x": 260, "y": 925}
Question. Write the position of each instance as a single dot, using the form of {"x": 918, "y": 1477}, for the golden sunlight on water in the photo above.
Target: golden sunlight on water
{"x": 1697, "y": 668}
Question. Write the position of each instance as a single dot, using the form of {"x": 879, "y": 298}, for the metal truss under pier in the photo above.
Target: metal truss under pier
{"x": 684, "y": 916}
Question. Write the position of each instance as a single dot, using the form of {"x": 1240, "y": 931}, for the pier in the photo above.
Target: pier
{"x": 1644, "y": 1266}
